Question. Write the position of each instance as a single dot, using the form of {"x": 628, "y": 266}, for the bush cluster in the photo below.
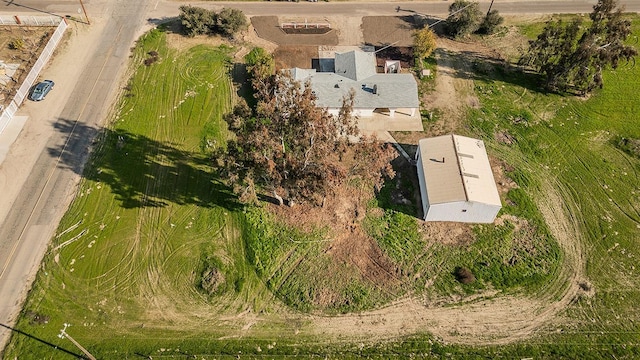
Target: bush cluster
{"x": 153, "y": 57}
{"x": 200, "y": 21}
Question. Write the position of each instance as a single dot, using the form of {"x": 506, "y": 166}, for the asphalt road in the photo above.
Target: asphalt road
{"x": 34, "y": 214}
{"x": 362, "y": 8}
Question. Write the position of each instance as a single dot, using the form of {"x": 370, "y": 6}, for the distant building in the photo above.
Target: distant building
{"x": 389, "y": 93}
{"x": 456, "y": 181}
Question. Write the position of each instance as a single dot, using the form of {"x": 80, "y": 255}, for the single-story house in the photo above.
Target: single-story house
{"x": 381, "y": 93}
{"x": 456, "y": 181}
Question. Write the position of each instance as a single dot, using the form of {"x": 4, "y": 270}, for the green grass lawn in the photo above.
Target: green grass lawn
{"x": 151, "y": 217}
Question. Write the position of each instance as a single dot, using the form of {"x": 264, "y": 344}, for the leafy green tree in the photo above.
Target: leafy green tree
{"x": 230, "y": 21}
{"x": 571, "y": 58}
{"x": 424, "y": 43}
{"x": 200, "y": 21}
{"x": 491, "y": 22}
{"x": 260, "y": 63}
{"x": 196, "y": 20}
{"x": 464, "y": 18}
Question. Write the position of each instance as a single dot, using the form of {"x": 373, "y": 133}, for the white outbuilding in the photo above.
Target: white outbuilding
{"x": 456, "y": 181}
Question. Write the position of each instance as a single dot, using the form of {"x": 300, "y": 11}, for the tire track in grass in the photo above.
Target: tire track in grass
{"x": 499, "y": 320}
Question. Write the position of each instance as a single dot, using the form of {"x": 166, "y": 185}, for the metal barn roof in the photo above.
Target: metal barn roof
{"x": 456, "y": 168}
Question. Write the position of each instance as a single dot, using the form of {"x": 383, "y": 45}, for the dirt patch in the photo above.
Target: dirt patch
{"x": 288, "y": 56}
{"x": 402, "y": 53}
{"x": 180, "y": 42}
{"x": 508, "y": 44}
{"x": 343, "y": 213}
{"x": 446, "y": 233}
{"x": 267, "y": 27}
{"x": 386, "y": 30}
{"x": 306, "y": 31}
{"x": 356, "y": 248}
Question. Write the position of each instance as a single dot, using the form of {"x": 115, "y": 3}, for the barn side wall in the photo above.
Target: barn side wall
{"x": 463, "y": 211}
{"x": 423, "y": 185}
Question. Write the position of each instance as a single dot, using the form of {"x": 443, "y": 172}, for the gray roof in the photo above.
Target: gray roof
{"x": 391, "y": 90}
{"x": 456, "y": 168}
{"x": 355, "y": 65}
{"x": 301, "y": 74}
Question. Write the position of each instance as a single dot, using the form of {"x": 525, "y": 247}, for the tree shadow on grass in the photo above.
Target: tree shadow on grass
{"x": 402, "y": 193}
{"x": 474, "y": 65}
{"x": 242, "y": 81}
{"x": 143, "y": 172}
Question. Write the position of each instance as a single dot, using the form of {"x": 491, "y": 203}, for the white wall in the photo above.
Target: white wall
{"x": 356, "y": 112}
{"x": 363, "y": 112}
{"x": 423, "y": 186}
{"x": 463, "y": 211}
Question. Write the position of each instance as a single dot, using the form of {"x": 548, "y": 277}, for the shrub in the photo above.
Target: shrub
{"x": 196, "y": 20}
{"x": 16, "y": 44}
{"x": 629, "y": 145}
{"x": 260, "y": 63}
{"x": 464, "y": 275}
{"x": 199, "y": 21}
{"x": 153, "y": 57}
{"x": 490, "y": 22}
{"x": 229, "y": 21}
{"x": 464, "y": 18}
{"x": 211, "y": 280}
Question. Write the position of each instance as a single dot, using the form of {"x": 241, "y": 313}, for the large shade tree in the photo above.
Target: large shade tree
{"x": 571, "y": 57}
{"x": 294, "y": 150}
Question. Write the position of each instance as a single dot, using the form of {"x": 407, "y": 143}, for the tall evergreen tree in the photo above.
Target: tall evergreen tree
{"x": 572, "y": 57}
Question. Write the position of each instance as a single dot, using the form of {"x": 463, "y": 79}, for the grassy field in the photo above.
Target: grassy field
{"x": 568, "y": 146}
{"x": 155, "y": 258}
{"x": 149, "y": 217}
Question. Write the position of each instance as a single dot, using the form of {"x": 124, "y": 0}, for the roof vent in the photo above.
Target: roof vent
{"x": 375, "y": 89}
{"x": 336, "y": 86}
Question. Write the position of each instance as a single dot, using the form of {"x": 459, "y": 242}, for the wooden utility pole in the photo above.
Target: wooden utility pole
{"x": 87, "y": 17}
{"x": 63, "y": 334}
{"x": 490, "y": 5}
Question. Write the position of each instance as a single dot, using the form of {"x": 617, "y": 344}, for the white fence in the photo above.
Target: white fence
{"x": 304, "y": 25}
{"x": 44, "y": 57}
{"x": 29, "y": 20}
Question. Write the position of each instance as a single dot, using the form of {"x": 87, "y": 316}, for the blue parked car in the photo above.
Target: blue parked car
{"x": 41, "y": 90}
